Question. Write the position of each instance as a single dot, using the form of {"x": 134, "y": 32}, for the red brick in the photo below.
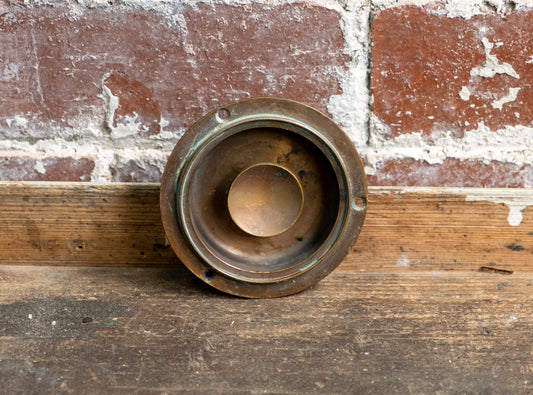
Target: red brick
{"x": 452, "y": 173}
{"x": 421, "y": 61}
{"x": 290, "y": 51}
{"x": 132, "y": 172}
{"x": 56, "y": 62}
{"x": 135, "y": 99}
{"x": 55, "y": 169}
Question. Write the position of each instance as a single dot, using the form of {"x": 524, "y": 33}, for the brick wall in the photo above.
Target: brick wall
{"x": 431, "y": 93}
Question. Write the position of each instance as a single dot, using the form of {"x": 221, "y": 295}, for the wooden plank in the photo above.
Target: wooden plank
{"x": 82, "y": 224}
{"x": 149, "y": 330}
{"x": 446, "y": 229}
{"x": 120, "y": 225}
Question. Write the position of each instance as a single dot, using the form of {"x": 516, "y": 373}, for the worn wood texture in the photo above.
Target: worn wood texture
{"x": 446, "y": 229}
{"x": 82, "y": 224}
{"x": 160, "y": 330}
{"x": 120, "y": 225}
{"x": 436, "y": 297}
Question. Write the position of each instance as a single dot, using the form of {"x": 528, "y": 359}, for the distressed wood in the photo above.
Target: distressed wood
{"x": 436, "y": 297}
{"x": 445, "y": 229}
{"x": 160, "y": 330}
{"x": 82, "y": 224}
{"x": 119, "y": 225}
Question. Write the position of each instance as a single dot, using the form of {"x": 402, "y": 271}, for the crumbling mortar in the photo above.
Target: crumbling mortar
{"x": 101, "y": 151}
{"x": 511, "y": 144}
{"x": 351, "y": 108}
{"x": 465, "y": 9}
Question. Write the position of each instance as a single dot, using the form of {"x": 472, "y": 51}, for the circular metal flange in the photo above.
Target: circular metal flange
{"x": 263, "y": 197}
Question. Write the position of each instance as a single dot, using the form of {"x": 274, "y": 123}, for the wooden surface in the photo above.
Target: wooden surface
{"x": 437, "y": 297}
{"x": 120, "y": 225}
{"x": 121, "y": 330}
{"x": 82, "y": 224}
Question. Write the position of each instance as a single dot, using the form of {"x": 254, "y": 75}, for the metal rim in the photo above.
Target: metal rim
{"x": 185, "y": 220}
{"x": 237, "y": 119}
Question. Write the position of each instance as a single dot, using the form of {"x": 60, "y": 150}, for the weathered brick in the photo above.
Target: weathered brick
{"x": 433, "y": 73}
{"x": 469, "y": 79}
{"x": 452, "y": 173}
{"x": 58, "y": 63}
{"x": 135, "y": 100}
{"x": 76, "y": 74}
{"x": 132, "y": 171}
{"x": 289, "y": 50}
{"x": 46, "y": 169}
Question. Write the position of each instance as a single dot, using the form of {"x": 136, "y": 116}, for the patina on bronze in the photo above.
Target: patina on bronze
{"x": 265, "y": 200}
{"x": 263, "y": 197}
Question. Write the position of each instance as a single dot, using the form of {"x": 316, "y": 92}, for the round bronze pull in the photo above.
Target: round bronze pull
{"x": 265, "y": 200}
{"x": 263, "y": 197}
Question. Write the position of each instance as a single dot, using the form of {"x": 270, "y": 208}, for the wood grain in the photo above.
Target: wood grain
{"x": 82, "y": 224}
{"x": 436, "y": 297}
{"x": 160, "y": 330}
{"x": 444, "y": 229}
{"x": 120, "y": 225}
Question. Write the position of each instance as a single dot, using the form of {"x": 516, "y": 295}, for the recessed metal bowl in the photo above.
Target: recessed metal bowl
{"x": 263, "y": 197}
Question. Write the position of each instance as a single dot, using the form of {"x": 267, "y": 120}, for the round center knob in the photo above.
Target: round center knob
{"x": 265, "y": 200}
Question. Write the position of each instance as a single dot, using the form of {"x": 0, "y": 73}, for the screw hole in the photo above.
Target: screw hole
{"x": 359, "y": 203}
{"x": 209, "y": 275}
{"x": 222, "y": 115}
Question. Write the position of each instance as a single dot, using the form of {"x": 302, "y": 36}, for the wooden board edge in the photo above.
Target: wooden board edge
{"x": 119, "y": 224}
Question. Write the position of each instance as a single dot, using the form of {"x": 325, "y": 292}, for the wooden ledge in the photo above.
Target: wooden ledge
{"x": 160, "y": 330}
{"x": 85, "y": 224}
{"x": 436, "y": 297}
